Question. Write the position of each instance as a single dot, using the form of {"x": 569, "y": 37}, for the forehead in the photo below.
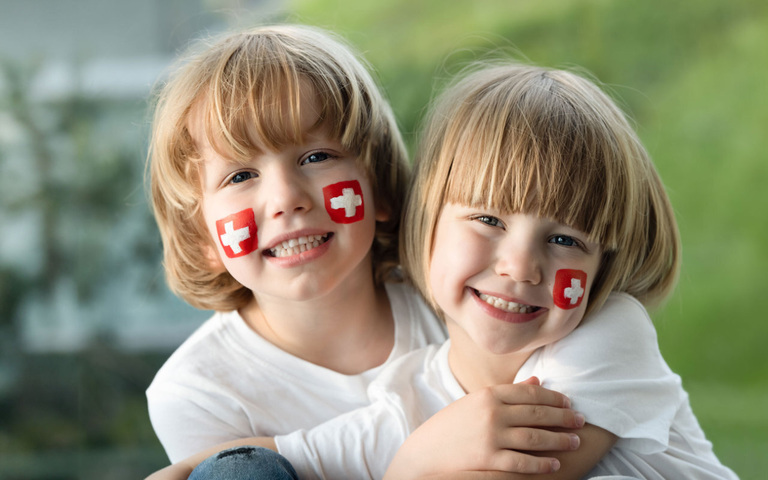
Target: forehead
{"x": 256, "y": 124}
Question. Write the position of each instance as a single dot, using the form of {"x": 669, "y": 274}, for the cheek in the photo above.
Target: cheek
{"x": 344, "y": 201}
{"x": 449, "y": 271}
{"x": 237, "y": 233}
{"x": 569, "y": 288}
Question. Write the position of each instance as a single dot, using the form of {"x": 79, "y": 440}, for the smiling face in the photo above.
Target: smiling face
{"x": 509, "y": 283}
{"x": 293, "y": 223}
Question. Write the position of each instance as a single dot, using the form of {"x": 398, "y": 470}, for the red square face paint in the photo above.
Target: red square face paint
{"x": 344, "y": 201}
{"x": 569, "y": 288}
{"x": 237, "y": 233}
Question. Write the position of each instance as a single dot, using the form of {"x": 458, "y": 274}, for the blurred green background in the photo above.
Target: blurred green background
{"x": 690, "y": 73}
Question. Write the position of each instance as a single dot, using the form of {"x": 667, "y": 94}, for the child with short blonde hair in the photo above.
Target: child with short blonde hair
{"x": 233, "y": 90}
{"x": 254, "y": 138}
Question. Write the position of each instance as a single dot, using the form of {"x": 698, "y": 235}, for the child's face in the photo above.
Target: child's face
{"x": 509, "y": 283}
{"x": 292, "y": 224}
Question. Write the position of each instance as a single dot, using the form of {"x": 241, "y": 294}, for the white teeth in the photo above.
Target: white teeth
{"x": 296, "y": 246}
{"x": 506, "y": 306}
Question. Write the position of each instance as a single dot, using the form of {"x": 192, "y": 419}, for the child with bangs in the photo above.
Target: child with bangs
{"x": 539, "y": 230}
{"x": 277, "y": 180}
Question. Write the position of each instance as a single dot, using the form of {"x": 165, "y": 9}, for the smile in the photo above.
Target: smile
{"x": 298, "y": 245}
{"x": 506, "y": 306}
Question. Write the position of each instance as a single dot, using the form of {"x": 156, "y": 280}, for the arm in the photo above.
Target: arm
{"x": 492, "y": 429}
{"x": 611, "y": 369}
{"x": 574, "y": 465}
{"x": 181, "y": 470}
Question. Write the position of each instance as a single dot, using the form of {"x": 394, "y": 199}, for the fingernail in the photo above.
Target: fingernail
{"x": 575, "y": 441}
{"x": 567, "y": 402}
{"x": 555, "y": 465}
{"x": 580, "y": 420}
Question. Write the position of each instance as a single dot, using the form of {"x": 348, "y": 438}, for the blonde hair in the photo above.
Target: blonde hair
{"x": 240, "y": 85}
{"x": 551, "y": 143}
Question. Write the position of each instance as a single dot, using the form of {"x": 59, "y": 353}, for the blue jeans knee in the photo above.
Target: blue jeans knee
{"x": 245, "y": 463}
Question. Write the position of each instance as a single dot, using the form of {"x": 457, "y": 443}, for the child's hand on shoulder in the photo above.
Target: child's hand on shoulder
{"x": 488, "y": 430}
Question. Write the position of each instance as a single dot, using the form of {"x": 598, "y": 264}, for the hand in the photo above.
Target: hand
{"x": 489, "y": 430}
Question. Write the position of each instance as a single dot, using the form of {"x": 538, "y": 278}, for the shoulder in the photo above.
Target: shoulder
{"x": 614, "y": 344}
{"x": 210, "y": 332}
{"x": 406, "y": 374}
{"x": 613, "y": 371}
{"x": 420, "y": 383}
{"x": 200, "y": 356}
{"x": 620, "y": 306}
{"x": 400, "y": 373}
{"x": 621, "y": 319}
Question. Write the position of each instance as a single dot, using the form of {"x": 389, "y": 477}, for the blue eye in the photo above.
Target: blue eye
{"x": 315, "y": 157}
{"x": 240, "y": 177}
{"x": 564, "y": 240}
{"x": 489, "y": 220}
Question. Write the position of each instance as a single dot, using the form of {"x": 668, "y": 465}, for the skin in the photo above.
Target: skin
{"x": 514, "y": 257}
{"x": 297, "y": 297}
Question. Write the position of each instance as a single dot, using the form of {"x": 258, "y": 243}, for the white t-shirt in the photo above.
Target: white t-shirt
{"x": 227, "y": 382}
{"x": 610, "y": 367}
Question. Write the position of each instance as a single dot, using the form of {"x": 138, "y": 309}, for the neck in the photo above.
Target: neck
{"x": 475, "y": 367}
{"x": 349, "y": 330}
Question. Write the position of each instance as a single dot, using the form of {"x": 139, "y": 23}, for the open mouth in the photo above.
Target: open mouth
{"x": 298, "y": 245}
{"x": 506, "y": 306}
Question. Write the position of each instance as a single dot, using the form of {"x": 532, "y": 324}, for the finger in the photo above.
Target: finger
{"x": 530, "y": 381}
{"x": 517, "y": 462}
{"x": 537, "y": 440}
{"x": 520, "y": 393}
{"x": 540, "y": 416}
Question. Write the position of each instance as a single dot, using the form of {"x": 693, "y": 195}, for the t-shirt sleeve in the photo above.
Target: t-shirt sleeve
{"x": 186, "y": 426}
{"x": 358, "y": 444}
{"x": 612, "y": 370}
{"x": 361, "y": 443}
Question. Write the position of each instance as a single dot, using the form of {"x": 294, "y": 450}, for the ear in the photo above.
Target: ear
{"x": 382, "y": 214}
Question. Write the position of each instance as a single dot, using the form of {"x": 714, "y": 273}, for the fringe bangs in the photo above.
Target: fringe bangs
{"x": 547, "y": 165}
{"x": 254, "y": 98}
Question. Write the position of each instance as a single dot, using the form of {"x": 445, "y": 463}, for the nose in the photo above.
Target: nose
{"x": 286, "y": 194}
{"x": 520, "y": 262}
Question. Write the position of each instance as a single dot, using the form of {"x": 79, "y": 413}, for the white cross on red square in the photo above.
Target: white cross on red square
{"x": 344, "y": 201}
{"x": 568, "y": 291}
{"x": 237, "y": 233}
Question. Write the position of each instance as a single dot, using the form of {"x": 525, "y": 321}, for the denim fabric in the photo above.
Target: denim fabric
{"x": 245, "y": 463}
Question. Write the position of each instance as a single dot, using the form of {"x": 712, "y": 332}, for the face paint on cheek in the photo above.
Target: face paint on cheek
{"x": 569, "y": 288}
{"x": 237, "y": 233}
{"x": 344, "y": 201}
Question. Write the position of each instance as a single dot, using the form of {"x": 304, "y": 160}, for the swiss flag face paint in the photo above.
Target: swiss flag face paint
{"x": 237, "y": 233}
{"x": 344, "y": 201}
{"x": 569, "y": 288}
